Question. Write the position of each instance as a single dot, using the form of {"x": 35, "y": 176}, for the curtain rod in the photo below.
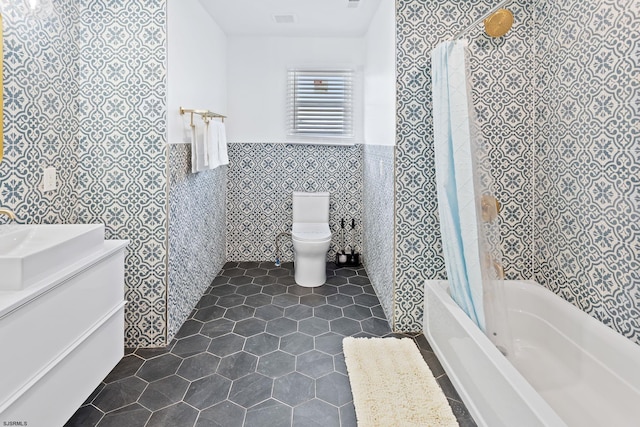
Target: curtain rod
{"x": 482, "y": 18}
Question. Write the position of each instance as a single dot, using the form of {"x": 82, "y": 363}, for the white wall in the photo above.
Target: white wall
{"x": 380, "y": 77}
{"x": 196, "y": 65}
{"x": 257, "y": 76}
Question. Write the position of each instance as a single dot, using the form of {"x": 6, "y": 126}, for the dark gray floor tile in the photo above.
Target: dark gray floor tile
{"x": 344, "y": 326}
{"x": 164, "y": 392}
{"x": 339, "y": 364}
{"x": 359, "y": 280}
{"x": 179, "y": 414}
{"x": 274, "y": 289}
{"x": 233, "y": 272}
{"x": 357, "y": 312}
{"x": 298, "y": 312}
{"x": 352, "y": 290}
{"x": 251, "y": 390}
{"x": 276, "y": 364}
{"x": 314, "y": 364}
{"x": 286, "y": 300}
{"x": 249, "y": 264}
{"x": 217, "y": 327}
{"x": 219, "y": 280}
{"x": 94, "y": 393}
{"x": 448, "y": 389}
{"x": 224, "y": 414}
{"x": 337, "y": 280}
{"x": 279, "y": 272}
{"x": 325, "y": 290}
{"x": 286, "y": 280}
{"x": 330, "y": 343}
{"x": 206, "y": 301}
{"x": 226, "y": 345}
{"x": 261, "y": 344}
{"x": 434, "y": 364}
{"x": 256, "y": 272}
{"x": 327, "y": 312}
{"x": 209, "y": 313}
{"x": 250, "y": 327}
{"x": 313, "y": 326}
{"x": 461, "y": 413}
{"x": 345, "y": 272}
{"x": 313, "y": 300}
{"x": 316, "y": 413}
{"x": 240, "y": 280}
{"x": 299, "y": 291}
{"x": 378, "y": 312}
{"x": 281, "y": 327}
{"x": 189, "y": 346}
{"x": 198, "y": 366}
{"x": 240, "y": 312}
{"x": 127, "y": 366}
{"x": 229, "y": 264}
{"x": 269, "y": 312}
{"x": 207, "y": 391}
{"x": 296, "y": 343}
{"x": 223, "y": 290}
{"x": 259, "y": 300}
{"x": 265, "y": 280}
{"x": 232, "y": 300}
{"x": 376, "y": 326}
{"x": 150, "y": 353}
{"x": 131, "y": 416}
{"x": 237, "y": 365}
{"x": 294, "y": 388}
{"x": 340, "y": 300}
{"x": 366, "y": 300}
{"x": 119, "y": 393}
{"x": 334, "y": 388}
{"x": 86, "y": 416}
{"x": 277, "y": 414}
{"x": 348, "y": 416}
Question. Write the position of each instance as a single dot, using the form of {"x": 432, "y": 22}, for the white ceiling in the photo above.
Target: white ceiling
{"x": 318, "y": 18}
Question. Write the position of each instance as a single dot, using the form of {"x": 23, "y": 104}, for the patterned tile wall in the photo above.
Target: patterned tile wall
{"x": 122, "y": 154}
{"x": 262, "y": 178}
{"x": 40, "y": 124}
{"x": 503, "y": 94}
{"x": 587, "y": 192}
{"x": 378, "y": 217}
{"x": 197, "y": 232}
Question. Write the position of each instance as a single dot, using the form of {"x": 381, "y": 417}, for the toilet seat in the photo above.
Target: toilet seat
{"x": 311, "y": 232}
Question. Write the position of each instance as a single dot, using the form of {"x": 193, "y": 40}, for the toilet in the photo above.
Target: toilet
{"x": 311, "y": 237}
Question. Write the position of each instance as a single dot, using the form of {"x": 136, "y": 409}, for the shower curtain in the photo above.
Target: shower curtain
{"x": 456, "y": 179}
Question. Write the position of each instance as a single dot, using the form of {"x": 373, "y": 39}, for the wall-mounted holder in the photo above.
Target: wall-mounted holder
{"x": 347, "y": 260}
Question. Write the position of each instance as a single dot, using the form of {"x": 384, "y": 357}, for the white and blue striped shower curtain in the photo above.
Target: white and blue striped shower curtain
{"x": 455, "y": 180}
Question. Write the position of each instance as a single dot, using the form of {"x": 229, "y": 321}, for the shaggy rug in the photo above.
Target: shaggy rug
{"x": 393, "y": 386}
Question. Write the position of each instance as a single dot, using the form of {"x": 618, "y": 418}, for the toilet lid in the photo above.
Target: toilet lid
{"x": 311, "y": 232}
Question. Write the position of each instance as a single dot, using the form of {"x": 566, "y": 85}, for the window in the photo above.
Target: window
{"x": 320, "y": 103}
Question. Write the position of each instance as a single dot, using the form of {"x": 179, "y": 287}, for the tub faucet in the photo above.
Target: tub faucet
{"x": 8, "y": 213}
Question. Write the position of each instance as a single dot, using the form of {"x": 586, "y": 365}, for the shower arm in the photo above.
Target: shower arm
{"x": 481, "y": 19}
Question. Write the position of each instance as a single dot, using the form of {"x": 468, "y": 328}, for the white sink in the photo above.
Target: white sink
{"x": 30, "y": 253}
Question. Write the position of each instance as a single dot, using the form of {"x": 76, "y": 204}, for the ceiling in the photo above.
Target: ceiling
{"x": 317, "y": 18}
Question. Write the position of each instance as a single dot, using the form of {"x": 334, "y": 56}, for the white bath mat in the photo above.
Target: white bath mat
{"x": 393, "y": 386}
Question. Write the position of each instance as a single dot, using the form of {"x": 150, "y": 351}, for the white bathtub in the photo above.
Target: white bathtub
{"x": 563, "y": 367}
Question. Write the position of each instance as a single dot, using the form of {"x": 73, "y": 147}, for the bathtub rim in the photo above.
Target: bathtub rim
{"x": 526, "y": 393}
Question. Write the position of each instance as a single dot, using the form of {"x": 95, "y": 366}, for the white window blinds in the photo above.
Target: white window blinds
{"x": 320, "y": 103}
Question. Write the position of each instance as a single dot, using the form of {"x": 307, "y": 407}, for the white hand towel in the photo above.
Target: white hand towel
{"x": 214, "y": 160}
{"x": 222, "y": 144}
{"x": 197, "y": 151}
{"x": 205, "y": 144}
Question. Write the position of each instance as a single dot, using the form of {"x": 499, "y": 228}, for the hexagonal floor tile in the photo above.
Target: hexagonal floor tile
{"x": 315, "y": 413}
{"x": 346, "y": 327}
{"x": 229, "y": 301}
{"x": 357, "y": 312}
{"x": 330, "y": 343}
{"x": 277, "y": 414}
{"x": 119, "y": 394}
{"x": 226, "y": 345}
{"x": 294, "y": 388}
{"x": 127, "y": 367}
{"x": 240, "y": 312}
{"x": 274, "y": 289}
{"x": 218, "y": 327}
{"x": 286, "y": 300}
{"x": 313, "y": 300}
{"x": 256, "y": 272}
{"x": 164, "y": 392}
{"x": 261, "y": 344}
{"x": 314, "y": 364}
{"x": 298, "y": 312}
{"x": 340, "y": 300}
{"x": 207, "y": 300}
{"x": 350, "y": 290}
{"x": 240, "y": 280}
{"x": 376, "y": 326}
{"x": 131, "y": 415}
{"x": 276, "y": 364}
{"x": 250, "y": 390}
{"x": 313, "y": 326}
{"x": 159, "y": 367}
{"x": 281, "y": 327}
{"x": 269, "y": 312}
{"x": 177, "y": 414}
{"x": 237, "y": 365}
{"x": 207, "y": 391}
{"x": 249, "y": 327}
{"x": 334, "y": 388}
{"x": 257, "y": 301}
{"x": 296, "y": 343}
{"x": 198, "y": 366}
{"x": 327, "y": 312}
{"x": 189, "y": 346}
{"x": 224, "y": 414}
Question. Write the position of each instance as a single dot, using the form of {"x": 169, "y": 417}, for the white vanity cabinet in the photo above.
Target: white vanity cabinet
{"x": 60, "y": 338}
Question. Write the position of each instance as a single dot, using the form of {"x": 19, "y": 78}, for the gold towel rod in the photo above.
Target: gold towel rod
{"x": 205, "y": 114}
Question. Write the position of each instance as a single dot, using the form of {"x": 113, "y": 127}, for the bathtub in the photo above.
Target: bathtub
{"x": 562, "y": 367}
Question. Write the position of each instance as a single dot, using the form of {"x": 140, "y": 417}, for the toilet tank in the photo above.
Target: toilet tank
{"x": 310, "y": 207}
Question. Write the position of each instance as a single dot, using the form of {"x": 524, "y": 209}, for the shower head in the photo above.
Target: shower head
{"x": 498, "y": 23}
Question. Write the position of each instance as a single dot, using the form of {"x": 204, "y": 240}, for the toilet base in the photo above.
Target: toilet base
{"x": 310, "y": 272}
